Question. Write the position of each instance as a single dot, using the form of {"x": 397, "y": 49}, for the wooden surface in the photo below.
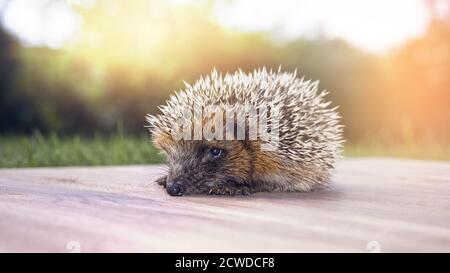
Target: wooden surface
{"x": 376, "y": 204}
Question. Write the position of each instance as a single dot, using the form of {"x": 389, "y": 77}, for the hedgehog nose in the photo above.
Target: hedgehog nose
{"x": 175, "y": 189}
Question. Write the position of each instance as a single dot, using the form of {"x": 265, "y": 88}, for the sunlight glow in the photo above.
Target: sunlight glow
{"x": 41, "y": 22}
{"x": 374, "y": 25}
{"x": 124, "y": 32}
{"x": 142, "y": 31}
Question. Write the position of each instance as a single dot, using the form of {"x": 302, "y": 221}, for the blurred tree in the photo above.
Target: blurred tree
{"x": 17, "y": 110}
{"x": 419, "y": 92}
{"x": 7, "y": 69}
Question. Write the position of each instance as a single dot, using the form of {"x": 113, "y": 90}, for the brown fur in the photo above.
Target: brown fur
{"x": 244, "y": 167}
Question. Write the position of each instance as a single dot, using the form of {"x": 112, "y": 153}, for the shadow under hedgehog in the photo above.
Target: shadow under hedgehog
{"x": 243, "y": 133}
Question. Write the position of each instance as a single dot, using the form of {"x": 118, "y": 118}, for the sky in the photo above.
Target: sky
{"x": 374, "y": 25}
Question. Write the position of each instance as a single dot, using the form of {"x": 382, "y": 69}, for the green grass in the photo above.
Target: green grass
{"x": 39, "y": 151}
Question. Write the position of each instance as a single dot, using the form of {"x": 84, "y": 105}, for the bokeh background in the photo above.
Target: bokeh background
{"x": 78, "y": 76}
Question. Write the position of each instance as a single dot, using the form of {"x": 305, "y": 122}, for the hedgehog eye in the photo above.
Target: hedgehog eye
{"x": 215, "y": 152}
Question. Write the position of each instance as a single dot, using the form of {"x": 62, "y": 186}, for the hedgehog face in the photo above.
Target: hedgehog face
{"x": 198, "y": 166}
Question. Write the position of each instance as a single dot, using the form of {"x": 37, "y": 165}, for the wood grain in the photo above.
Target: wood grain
{"x": 396, "y": 205}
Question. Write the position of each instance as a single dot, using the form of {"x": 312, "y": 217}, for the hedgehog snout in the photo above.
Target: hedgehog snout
{"x": 175, "y": 188}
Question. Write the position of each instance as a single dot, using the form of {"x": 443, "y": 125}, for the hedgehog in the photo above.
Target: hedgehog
{"x": 241, "y": 133}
